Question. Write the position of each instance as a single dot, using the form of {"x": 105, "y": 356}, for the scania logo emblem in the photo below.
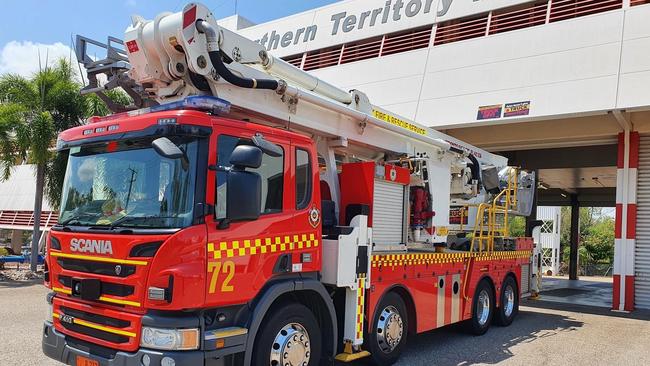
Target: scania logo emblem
{"x": 91, "y": 246}
{"x": 118, "y": 269}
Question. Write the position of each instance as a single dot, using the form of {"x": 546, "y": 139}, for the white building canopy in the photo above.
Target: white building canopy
{"x": 17, "y": 201}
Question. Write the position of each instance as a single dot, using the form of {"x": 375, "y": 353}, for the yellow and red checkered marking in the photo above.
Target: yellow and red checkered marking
{"x": 361, "y": 291}
{"x": 249, "y": 247}
{"x": 392, "y": 260}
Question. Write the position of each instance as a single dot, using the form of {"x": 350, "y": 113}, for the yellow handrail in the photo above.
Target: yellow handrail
{"x": 485, "y": 238}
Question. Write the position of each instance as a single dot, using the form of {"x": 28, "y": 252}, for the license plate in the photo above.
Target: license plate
{"x": 85, "y": 361}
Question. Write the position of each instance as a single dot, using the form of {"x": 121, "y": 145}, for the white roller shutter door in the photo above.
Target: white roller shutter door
{"x": 387, "y": 215}
{"x": 642, "y": 250}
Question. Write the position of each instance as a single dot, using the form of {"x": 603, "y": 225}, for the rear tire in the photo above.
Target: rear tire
{"x": 389, "y": 331}
{"x": 509, "y": 302}
{"x": 290, "y": 335}
{"x": 482, "y": 309}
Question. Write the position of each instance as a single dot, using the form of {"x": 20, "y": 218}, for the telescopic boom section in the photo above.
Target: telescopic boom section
{"x": 188, "y": 53}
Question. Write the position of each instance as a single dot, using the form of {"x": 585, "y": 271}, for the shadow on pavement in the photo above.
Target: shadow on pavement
{"x": 453, "y": 346}
{"x": 7, "y": 283}
{"x": 594, "y": 310}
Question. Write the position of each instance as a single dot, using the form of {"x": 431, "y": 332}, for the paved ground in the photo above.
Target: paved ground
{"x": 22, "y": 310}
{"x": 545, "y": 333}
{"x": 591, "y": 291}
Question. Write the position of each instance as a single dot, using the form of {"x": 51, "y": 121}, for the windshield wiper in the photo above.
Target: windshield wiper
{"x": 75, "y": 218}
{"x": 126, "y": 219}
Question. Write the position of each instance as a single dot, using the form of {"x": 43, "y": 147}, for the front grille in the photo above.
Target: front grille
{"x": 97, "y": 319}
{"x": 107, "y": 288}
{"x": 97, "y": 324}
{"x": 96, "y": 333}
{"x": 106, "y": 269}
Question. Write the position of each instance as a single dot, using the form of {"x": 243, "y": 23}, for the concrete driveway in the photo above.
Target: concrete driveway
{"x": 545, "y": 333}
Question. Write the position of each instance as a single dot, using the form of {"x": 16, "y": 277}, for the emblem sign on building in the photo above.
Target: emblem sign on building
{"x": 354, "y": 20}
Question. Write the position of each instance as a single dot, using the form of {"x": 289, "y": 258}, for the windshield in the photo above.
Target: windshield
{"x": 128, "y": 184}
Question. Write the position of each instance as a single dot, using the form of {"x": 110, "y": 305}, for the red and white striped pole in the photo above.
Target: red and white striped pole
{"x": 625, "y": 227}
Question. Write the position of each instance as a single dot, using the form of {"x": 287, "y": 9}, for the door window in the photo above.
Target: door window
{"x": 271, "y": 171}
{"x": 303, "y": 179}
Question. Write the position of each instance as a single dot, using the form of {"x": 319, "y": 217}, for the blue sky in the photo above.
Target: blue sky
{"x": 28, "y": 26}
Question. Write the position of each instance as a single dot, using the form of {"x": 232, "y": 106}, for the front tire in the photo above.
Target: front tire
{"x": 389, "y": 331}
{"x": 290, "y": 336}
{"x": 482, "y": 309}
{"x": 509, "y": 302}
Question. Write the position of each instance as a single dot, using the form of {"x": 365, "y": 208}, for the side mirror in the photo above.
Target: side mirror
{"x": 244, "y": 195}
{"x": 245, "y": 156}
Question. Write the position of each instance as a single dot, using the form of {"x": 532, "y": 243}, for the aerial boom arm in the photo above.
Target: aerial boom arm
{"x": 177, "y": 55}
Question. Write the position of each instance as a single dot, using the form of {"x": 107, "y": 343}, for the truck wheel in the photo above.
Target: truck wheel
{"x": 482, "y": 309}
{"x": 290, "y": 336}
{"x": 509, "y": 302}
{"x": 389, "y": 330}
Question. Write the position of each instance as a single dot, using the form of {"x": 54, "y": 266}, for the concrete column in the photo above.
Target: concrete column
{"x": 575, "y": 237}
{"x": 532, "y": 219}
{"x": 625, "y": 228}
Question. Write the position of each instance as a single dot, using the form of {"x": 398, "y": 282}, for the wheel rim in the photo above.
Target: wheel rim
{"x": 291, "y": 346}
{"x": 390, "y": 329}
{"x": 509, "y": 300}
{"x": 483, "y": 307}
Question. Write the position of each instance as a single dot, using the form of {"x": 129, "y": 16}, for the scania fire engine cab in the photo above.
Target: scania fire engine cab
{"x": 244, "y": 212}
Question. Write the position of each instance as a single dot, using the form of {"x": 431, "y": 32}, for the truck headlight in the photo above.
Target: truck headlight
{"x": 170, "y": 339}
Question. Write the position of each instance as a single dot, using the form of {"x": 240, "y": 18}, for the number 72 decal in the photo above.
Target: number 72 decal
{"x": 215, "y": 268}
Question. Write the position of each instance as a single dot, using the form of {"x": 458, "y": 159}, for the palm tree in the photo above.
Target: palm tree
{"x": 32, "y": 113}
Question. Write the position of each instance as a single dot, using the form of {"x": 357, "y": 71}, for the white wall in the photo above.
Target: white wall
{"x": 583, "y": 66}
{"x": 235, "y": 22}
{"x": 561, "y": 68}
{"x": 635, "y": 61}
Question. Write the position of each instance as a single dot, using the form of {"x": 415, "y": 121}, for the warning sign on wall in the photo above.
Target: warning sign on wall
{"x": 489, "y": 112}
{"x": 517, "y": 109}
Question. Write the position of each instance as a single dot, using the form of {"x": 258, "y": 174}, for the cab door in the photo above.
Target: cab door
{"x": 307, "y": 206}
{"x": 242, "y": 255}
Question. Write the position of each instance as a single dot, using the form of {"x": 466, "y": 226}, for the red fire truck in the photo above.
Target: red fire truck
{"x": 244, "y": 212}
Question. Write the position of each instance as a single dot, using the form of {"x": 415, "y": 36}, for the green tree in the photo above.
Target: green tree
{"x": 596, "y": 239}
{"x": 516, "y": 226}
{"x": 584, "y": 256}
{"x": 599, "y": 240}
{"x": 32, "y": 112}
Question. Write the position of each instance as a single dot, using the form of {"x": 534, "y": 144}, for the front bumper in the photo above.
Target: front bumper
{"x": 66, "y": 350}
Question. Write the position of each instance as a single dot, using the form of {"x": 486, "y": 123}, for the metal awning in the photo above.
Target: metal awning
{"x": 24, "y": 220}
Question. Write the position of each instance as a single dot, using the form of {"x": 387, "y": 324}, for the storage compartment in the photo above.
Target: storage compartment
{"x": 384, "y": 190}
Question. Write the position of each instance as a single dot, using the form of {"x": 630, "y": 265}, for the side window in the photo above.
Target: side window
{"x": 303, "y": 179}
{"x": 271, "y": 171}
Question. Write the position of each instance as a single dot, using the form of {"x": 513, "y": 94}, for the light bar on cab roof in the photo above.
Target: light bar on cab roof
{"x": 197, "y": 102}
